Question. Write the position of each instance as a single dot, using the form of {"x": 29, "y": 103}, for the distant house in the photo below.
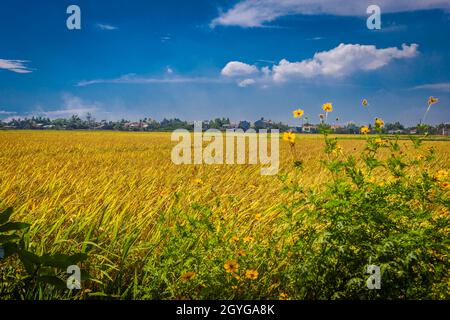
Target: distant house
{"x": 230, "y": 126}
{"x": 136, "y": 125}
{"x": 335, "y": 127}
{"x": 309, "y": 128}
{"x": 398, "y": 131}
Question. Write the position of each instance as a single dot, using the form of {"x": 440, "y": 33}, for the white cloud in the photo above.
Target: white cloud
{"x": 71, "y": 105}
{"x": 135, "y": 79}
{"x": 238, "y": 69}
{"x": 255, "y": 13}
{"x": 443, "y": 86}
{"x": 246, "y": 83}
{"x": 341, "y": 61}
{"x": 107, "y": 27}
{"x": 17, "y": 66}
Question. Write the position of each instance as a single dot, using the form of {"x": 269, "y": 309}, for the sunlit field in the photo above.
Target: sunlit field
{"x": 155, "y": 230}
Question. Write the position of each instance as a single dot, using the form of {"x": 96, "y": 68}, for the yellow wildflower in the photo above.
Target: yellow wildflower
{"x": 327, "y": 107}
{"x": 198, "y": 182}
{"x": 251, "y": 274}
{"x": 241, "y": 253}
{"x": 258, "y": 216}
{"x": 378, "y": 141}
{"x": 364, "y": 130}
{"x": 444, "y": 185}
{"x": 231, "y": 266}
{"x": 420, "y": 157}
{"x": 379, "y": 123}
{"x": 234, "y": 239}
{"x": 289, "y": 136}
{"x": 338, "y": 150}
{"x": 248, "y": 239}
{"x": 298, "y": 113}
{"x": 441, "y": 175}
{"x": 432, "y": 100}
{"x": 365, "y": 102}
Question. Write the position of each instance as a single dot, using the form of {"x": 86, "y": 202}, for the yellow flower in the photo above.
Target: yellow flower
{"x": 198, "y": 182}
{"x": 444, "y": 185}
{"x": 234, "y": 239}
{"x": 327, "y": 107}
{"x": 231, "y": 266}
{"x": 298, "y": 113}
{"x": 251, "y": 274}
{"x": 234, "y": 287}
{"x": 283, "y": 296}
{"x": 248, "y": 239}
{"x": 365, "y": 102}
{"x": 420, "y": 157}
{"x": 337, "y": 150}
{"x": 187, "y": 276}
{"x": 364, "y": 130}
{"x": 378, "y": 141}
{"x": 432, "y": 100}
{"x": 289, "y": 136}
{"x": 241, "y": 253}
{"x": 441, "y": 175}
{"x": 258, "y": 216}
{"x": 379, "y": 123}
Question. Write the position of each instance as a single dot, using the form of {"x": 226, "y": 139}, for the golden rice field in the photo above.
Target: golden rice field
{"x": 159, "y": 230}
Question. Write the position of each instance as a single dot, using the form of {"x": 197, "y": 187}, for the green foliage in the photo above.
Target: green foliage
{"x": 42, "y": 272}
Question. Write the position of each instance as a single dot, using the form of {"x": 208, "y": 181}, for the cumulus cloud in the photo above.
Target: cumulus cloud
{"x": 238, "y": 69}
{"x": 255, "y": 13}
{"x": 341, "y": 61}
{"x": 17, "y": 66}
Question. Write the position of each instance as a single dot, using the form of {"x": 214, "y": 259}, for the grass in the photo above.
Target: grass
{"x": 156, "y": 230}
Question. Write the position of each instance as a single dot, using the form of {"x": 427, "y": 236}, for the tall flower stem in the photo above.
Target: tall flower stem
{"x": 425, "y": 114}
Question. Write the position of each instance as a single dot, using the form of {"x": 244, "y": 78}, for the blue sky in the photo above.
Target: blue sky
{"x": 238, "y": 59}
